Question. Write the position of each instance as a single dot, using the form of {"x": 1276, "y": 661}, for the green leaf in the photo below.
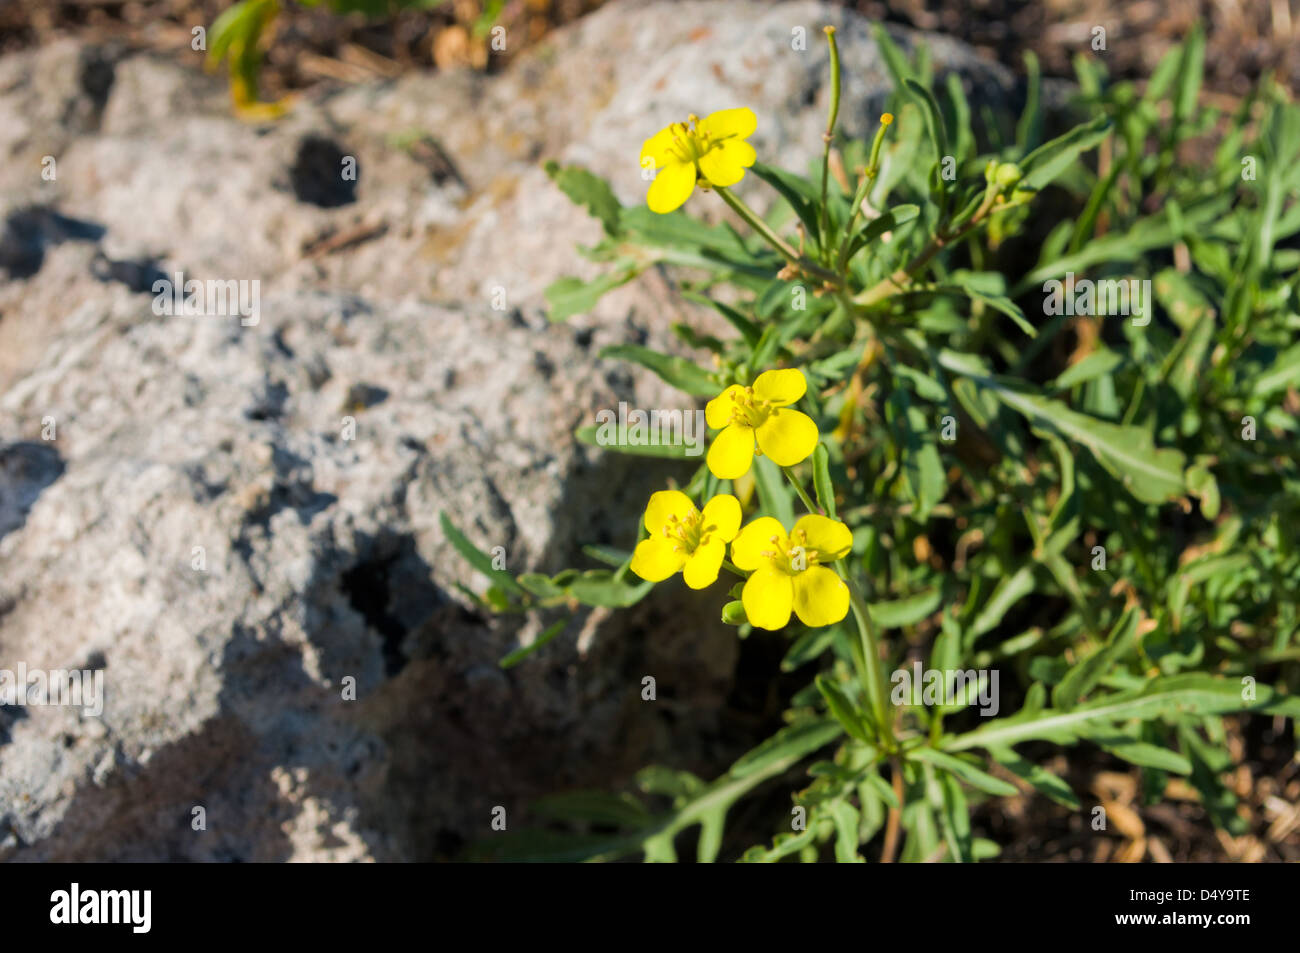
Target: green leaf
{"x": 1042, "y": 780}
{"x": 934, "y": 126}
{"x": 896, "y": 613}
{"x": 783, "y": 845}
{"x": 1028, "y": 129}
{"x": 599, "y": 435}
{"x": 1052, "y": 158}
{"x": 596, "y": 807}
{"x": 1088, "y": 671}
{"x": 967, "y": 772}
{"x": 679, "y": 372}
{"x": 923, "y": 473}
{"x": 589, "y": 190}
{"x": 1127, "y": 453}
{"x": 570, "y": 296}
{"x": 808, "y": 647}
{"x": 521, "y": 653}
{"x": 600, "y": 587}
{"x": 788, "y": 745}
{"x": 747, "y": 328}
{"x": 802, "y": 195}
{"x": 1191, "y": 68}
{"x": 896, "y": 217}
{"x": 541, "y": 585}
{"x": 990, "y": 289}
{"x": 846, "y": 819}
{"x": 1202, "y": 485}
{"x": 954, "y": 818}
{"x": 609, "y": 555}
{"x": 669, "y": 782}
{"x": 477, "y": 558}
{"x": 1009, "y": 591}
{"x": 1099, "y": 363}
{"x": 900, "y": 70}
{"x": 1145, "y": 755}
{"x": 1284, "y": 373}
{"x": 678, "y": 232}
{"x": 1191, "y": 694}
{"x": 845, "y": 712}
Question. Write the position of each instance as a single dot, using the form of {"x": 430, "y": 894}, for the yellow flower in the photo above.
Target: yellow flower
{"x": 684, "y": 539}
{"x": 758, "y": 420}
{"x": 790, "y": 573}
{"x": 712, "y": 150}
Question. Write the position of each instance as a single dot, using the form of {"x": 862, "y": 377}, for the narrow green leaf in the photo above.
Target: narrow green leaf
{"x": 606, "y": 437}
{"x": 1042, "y": 780}
{"x": 789, "y": 744}
{"x": 477, "y": 558}
{"x": 521, "y": 653}
{"x": 569, "y": 296}
{"x": 967, "y": 772}
{"x": 677, "y": 371}
{"x": 1088, "y": 671}
{"x": 1052, "y": 158}
{"x": 845, "y": 712}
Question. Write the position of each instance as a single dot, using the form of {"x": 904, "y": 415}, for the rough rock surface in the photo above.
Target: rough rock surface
{"x": 323, "y": 555}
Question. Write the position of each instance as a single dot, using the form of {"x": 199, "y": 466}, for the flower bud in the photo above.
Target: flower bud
{"x": 1008, "y": 175}
{"x": 733, "y": 613}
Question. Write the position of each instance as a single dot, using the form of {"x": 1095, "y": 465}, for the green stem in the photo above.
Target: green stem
{"x": 824, "y": 224}
{"x": 726, "y": 564}
{"x": 864, "y": 186}
{"x": 872, "y": 674}
{"x": 803, "y": 494}
{"x": 773, "y": 239}
{"x": 895, "y": 283}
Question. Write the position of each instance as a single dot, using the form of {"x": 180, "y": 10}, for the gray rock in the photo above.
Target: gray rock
{"x": 201, "y": 441}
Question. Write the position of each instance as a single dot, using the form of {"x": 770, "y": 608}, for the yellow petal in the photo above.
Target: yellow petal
{"x": 702, "y": 566}
{"x": 717, "y": 412}
{"x": 724, "y": 165}
{"x": 830, "y": 538}
{"x": 781, "y": 387}
{"x": 659, "y": 147}
{"x": 820, "y": 597}
{"x": 722, "y": 517}
{"x": 747, "y": 549}
{"x": 732, "y": 452}
{"x": 725, "y": 123}
{"x": 663, "y": 506}
{"x": 671, "y": 187}
{"x": 655, "y": 559}
{"x": 768, "y": 597}
{"x": 788, "y": 437}
{"x": 739, "y": 151}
